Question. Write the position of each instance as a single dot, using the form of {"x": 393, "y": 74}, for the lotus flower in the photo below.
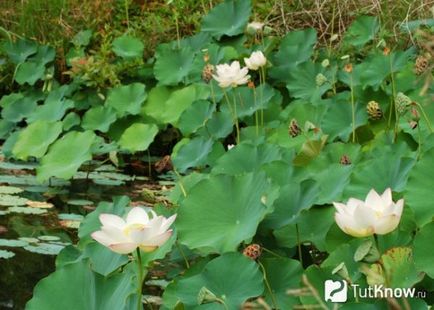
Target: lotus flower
{"x": 138, "y": 230}
{"x": 256, "y": 60}
{"x": 376, "y": 215}
{"x": 231, "y": 75}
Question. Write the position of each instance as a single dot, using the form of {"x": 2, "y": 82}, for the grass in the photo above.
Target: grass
{"x": 56, "y": 21}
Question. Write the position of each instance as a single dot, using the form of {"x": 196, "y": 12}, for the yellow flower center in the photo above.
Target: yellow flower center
{"x": 133, "y": 227}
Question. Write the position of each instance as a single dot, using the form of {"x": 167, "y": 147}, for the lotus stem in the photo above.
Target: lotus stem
{"x": 140, "y": 279}
{"x": 267, "y": 284}
{"x": 353, "y": 108}
{"x": 299, "y": 244}
{"x": 425, "y": 117}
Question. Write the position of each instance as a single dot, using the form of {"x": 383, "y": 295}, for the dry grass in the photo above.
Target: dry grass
{"x": 56, "y": 21}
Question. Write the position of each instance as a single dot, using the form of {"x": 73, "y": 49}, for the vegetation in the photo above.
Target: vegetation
{"x": 269, "y": 134}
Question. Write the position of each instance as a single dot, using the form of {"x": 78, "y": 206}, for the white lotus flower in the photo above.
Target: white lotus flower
{"x": 255, "y": 27}
{"x": 256, "y": 60}
{"x": 376, "y": 215}
{"x": 138, "y": 230}
{"x": 231, "y": 75}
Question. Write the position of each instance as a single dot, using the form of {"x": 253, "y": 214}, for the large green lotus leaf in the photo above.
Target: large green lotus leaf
{"x": 302, "y": 82}
{"x": 397, "y": 268}
{"x": 29, "y": 72}
{"x": 66, "y": 155}
{"x": 220, "y": 125}
{"x": 222, "y": 211}
{"x": 167, "y": 106}
{"x": 99, "y": 118}
{"x": 103, "y": 260}
{"x": 44, "y": 55}
{"x": 51, "y": 110}
{"x": 16, "y": 110}
{"x": 248, "y": 100}
{"x": 19, "y": 50}
{"x": 344, "y": 253}
{"x": 419, "y": 193}
{"x": 191, "y": 153}
{"x": 76, "y": 286}
{"x": 195, "y": 116}
{"x": 138, "y": 137}
{"x": 294, "y": 197}
{"x": 172, "y": 65}
{"x": 127, "y": 99}
{"x": 9, "y": 99}
{"x": 423, "y": 249}
{"x": 283, "y": 274}
{"x": 128, "y": 47}
{"x": 246, "y": 157}
{"x": 390, "y": 170}
{"x": 228, "y": 18}
{"x": 338, "y": 121}
{"x": 362, "y": 30}
{"x": 71, "y": 119}
{"x": 35, "y": 139}
{"x": 232, "y": 277}
{"x": 296, "y": 47}
{"x": 311, "y": 225}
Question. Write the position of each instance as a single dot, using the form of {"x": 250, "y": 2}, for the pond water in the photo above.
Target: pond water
{"x": 38, "y": 220}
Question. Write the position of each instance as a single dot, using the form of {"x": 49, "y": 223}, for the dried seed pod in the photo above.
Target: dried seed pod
{"x": 374, "y": 110}
{"x": 345, "y": 160}
{"x": 164, "y": 164}
{"x": 207, "y": 72}
{"x": 251, "y": 84}
{"x": 294, "y": 130}
{"x": 348, "y": 68}
{"x": 253, "y": 251}
{"x": 421, "y": 64}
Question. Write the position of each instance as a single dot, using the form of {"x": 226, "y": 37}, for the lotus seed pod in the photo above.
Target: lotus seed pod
{"x": 207, "y": 72}
{"x": 402, "y": 102}
{"x": 320, "y": 79}
{"x": 253, "y": 251}
{"x": 345, "y": 160}
{"x": 348, "y": 68}
{"x": 421, "y": 64}
{"x": 374, "y": 110}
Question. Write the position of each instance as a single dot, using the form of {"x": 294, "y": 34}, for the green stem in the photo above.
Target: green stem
{"x": 299, "y": 244}
{"x": 419, "y": 149}
{"x": 261, "y": 91}
{"x": 267, "y": 284}
{"x": 256, "y": 113}
{"x": 392, "y": 78}
{"x": 187, "y": 264}
{"x": 181, "y": 185}
{"x": 272, "y": 253}
{"x": 353, "y": 109}
{"x": 140, "y": 278}
{"x": 425, "y": 117}
{"x": 234, "y": 116}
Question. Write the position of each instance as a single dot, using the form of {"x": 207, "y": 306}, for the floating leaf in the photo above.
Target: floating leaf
{"x": 79, "y": 202}
{"x": 222, "y": 211}
{"x": 39, "y": 204}
{"x": 66, "y": 155}
{"x": 49, "y": 238}
{"x": 45, "y": 248}
{"x": 13, "y": 243}
{"x": 228, "y": 18}
{"x": 138, "y": 137}
{"x": 6, "y": 254}
{"x": 10, "y": 190}
{"x": 34, "y": 140}
{"x": 10, "y": 200}
{"x": 25, "y": 210}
